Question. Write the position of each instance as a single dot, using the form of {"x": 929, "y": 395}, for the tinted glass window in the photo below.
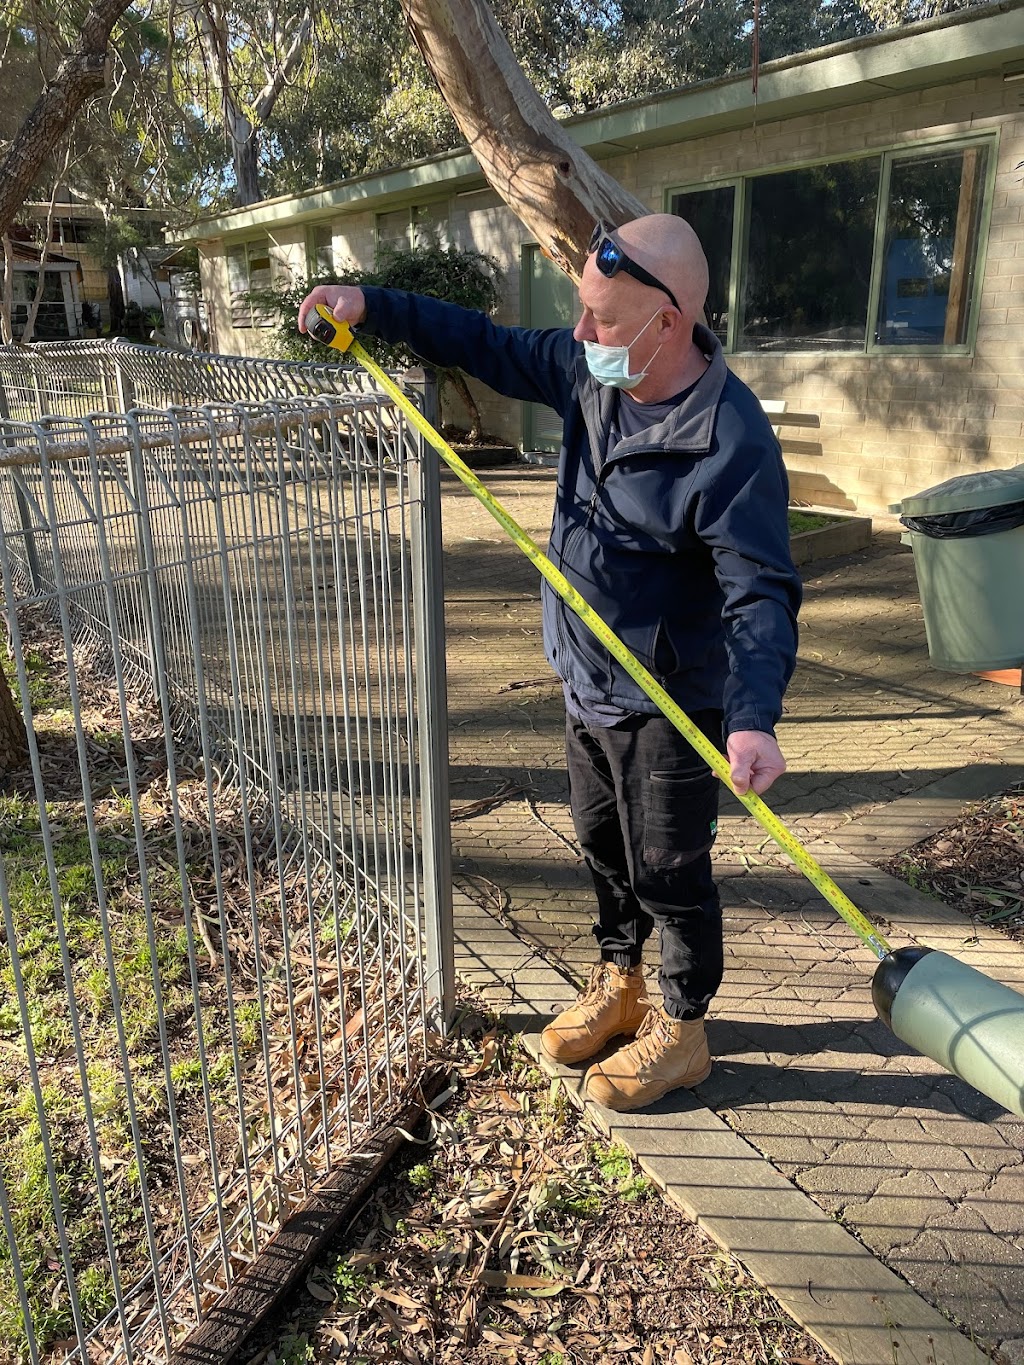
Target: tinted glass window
{"x": 931, "y": 240}
{"x": 808, "y": 258}
{"x": 710, "y": 214}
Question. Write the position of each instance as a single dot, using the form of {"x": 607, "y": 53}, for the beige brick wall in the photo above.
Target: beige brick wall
{"x": 481, "y": 221}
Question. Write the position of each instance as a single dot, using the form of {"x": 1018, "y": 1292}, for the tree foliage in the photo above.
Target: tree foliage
{"x": 209, "y": 102}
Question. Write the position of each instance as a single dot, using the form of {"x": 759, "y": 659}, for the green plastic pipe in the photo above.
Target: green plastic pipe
{"x": 962, "y": 1019}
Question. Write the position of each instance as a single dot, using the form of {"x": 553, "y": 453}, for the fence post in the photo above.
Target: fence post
{"x": 125, "y": 388}
{"x": 136, "y": 473}
{"x": 432, "y": 708}
{"x": 136, "y": 476}
{"x": 24, "y": 515}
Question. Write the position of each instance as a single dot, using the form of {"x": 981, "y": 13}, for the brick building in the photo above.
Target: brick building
{"x": 862, "y": 217}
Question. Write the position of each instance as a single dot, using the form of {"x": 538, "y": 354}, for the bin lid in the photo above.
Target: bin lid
{"x": 968, "y": 493}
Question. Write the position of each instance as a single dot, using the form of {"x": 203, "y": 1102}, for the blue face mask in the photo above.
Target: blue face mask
{"x": 610, "y": 364}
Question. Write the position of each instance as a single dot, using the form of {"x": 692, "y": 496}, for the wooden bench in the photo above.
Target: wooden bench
{"x": 781, "y": 417}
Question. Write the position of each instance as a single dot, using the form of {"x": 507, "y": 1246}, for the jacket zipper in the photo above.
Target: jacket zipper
{"x": 599, "y": 480}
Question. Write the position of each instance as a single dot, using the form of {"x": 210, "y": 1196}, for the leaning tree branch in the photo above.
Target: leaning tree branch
{"x": 546, "y": 178}
{"x": 82, "y": 74}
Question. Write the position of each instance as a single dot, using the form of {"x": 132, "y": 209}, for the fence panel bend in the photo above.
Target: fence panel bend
{"x": 219, "y": 965}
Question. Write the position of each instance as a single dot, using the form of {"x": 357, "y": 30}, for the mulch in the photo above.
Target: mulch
{"x": 976, "y": 864}
{"x": 513, "y": 1233}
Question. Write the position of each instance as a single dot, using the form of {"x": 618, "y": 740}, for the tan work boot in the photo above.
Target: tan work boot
{"x": 665, "y": 1054}
{"x": 614, "y": 1002}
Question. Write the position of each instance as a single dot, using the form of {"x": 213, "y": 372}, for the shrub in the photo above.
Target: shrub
{"x": 453, "y": 273}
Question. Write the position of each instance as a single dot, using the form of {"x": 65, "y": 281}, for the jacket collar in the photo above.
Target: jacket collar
{"x": 689, "y": 427}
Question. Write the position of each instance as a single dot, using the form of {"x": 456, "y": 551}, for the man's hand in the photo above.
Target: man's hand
{"x": 756, "y": 760}
{"x": 345, "y": 301}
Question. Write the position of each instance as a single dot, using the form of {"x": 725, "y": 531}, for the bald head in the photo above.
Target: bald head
{"x": 669, "y": 248}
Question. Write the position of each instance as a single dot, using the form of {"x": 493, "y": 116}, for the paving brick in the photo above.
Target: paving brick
{"x": 925, "y": 1171}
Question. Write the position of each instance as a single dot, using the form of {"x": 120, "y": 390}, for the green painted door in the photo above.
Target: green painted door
{"x": 549, "y": 300}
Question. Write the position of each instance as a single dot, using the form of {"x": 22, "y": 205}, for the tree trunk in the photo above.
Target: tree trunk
{"x": 13, "y": 740}
{"x": 44, "y": 251}
{"x": 458, "y": 382}
{"x": 7, "y": 302}
{"x": 243, "y": 121}
{"x": 82, "y": 74}
{"x": 247, "y": 175}
{"x": 549, "y": 182}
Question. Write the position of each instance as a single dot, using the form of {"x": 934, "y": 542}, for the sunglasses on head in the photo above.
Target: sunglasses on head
{"x": 611, "y": 259}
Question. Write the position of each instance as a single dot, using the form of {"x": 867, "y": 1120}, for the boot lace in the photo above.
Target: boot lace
{"x": 651, "y": 1041}
{"x": 596, "y": 988}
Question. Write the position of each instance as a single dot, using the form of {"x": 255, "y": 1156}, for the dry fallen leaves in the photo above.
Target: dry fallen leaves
{"x": 975, "y": 864}
{"x": 505, "y": 1242}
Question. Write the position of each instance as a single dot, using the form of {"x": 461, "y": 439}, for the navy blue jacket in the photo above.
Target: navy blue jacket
{"x": 678, "y": 536}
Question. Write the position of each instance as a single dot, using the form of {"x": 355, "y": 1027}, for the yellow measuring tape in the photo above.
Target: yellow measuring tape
{"x": 326, "y": 328}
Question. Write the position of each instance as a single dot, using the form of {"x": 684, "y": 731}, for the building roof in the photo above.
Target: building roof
{"x": 26, "y": 257}
{"x": 935, "y": 52}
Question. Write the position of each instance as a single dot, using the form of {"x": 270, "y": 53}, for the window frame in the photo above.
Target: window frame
{"x": 265, "y": 246}
{"x": 740, "y": 183}
{"x": 313, "y": 271}
{"x": 411, "y": 223}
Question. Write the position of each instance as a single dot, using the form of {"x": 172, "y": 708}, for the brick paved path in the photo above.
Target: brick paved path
{"x": 928, "y": 1174}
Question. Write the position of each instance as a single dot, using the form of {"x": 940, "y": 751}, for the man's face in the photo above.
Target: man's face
{"x": 613, "y": 311}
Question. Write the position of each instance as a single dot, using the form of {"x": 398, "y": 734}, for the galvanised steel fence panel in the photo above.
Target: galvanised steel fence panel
{"x": 78, "y": 378}
{"x": 221, "y": 879}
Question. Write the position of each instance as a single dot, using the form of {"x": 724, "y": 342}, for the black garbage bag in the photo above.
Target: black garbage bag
{"x": 981, "y": 521}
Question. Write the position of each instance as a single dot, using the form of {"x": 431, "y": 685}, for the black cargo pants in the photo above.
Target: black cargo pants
{"x": 645, "y": 807}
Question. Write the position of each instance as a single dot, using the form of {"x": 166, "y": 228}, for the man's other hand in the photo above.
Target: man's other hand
{"x": 345, "y": 301}
{"x": 755, "y": 759}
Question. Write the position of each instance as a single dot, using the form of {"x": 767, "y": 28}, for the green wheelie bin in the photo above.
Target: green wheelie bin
{"x": 967, "y": 535}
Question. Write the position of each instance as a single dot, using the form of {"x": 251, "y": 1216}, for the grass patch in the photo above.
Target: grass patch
{"x": 100, "y": 960}
{"x": 807, "y": 521}
{"x": 47, "y": 686}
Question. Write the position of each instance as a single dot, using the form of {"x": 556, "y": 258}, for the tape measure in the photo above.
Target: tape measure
{"x": 327, "y": 329}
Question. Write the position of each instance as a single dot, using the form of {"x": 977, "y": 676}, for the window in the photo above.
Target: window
{"x": 69, "y": 232}
{"x": 52, "y": 316}
{"x": 393, "y": 229}
{"x": 810, "y": 235}
{"x": 430, "y": 224}
{"x": 710, "y": 214}
{"x": 420, "y": 225}
{"x": 877, "y": 251}
{"x": 931, "y": 246}
{"x": 248, "y": 269}
{"x": 320, "y": 251}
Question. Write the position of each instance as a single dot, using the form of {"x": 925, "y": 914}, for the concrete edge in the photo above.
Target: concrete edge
{"x": 845, "y": 536}
{"x": 861, "y": 1312}
{"x": 895, "y": 827}
{"x": 848, "y": 853}
{"x": 897, "y": 908}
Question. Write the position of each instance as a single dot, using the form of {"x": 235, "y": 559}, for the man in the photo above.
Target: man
{"x": 671, "y": 520}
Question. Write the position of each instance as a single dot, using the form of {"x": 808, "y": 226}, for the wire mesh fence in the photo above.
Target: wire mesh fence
{"x": 223, "y": 868}
{"x": 79, "y": 378}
